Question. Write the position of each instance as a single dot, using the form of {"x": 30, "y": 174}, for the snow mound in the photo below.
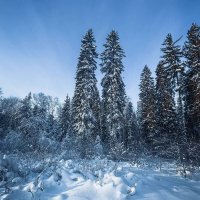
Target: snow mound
{"x": 102, "y": 180}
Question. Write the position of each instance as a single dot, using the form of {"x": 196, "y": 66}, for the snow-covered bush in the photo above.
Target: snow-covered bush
{"x": 47, "y": 145}
{"x": 12, "y": 142}
{"x": 9, "y": 172}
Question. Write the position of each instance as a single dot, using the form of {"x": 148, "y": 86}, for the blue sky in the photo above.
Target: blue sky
{"x": 40, "y": 39}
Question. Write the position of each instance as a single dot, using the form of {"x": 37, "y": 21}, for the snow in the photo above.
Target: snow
{"x": 102, "y": 179}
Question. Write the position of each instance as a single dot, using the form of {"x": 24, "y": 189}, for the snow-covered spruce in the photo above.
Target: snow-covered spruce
{"x": 86, "y": 101}
{"x": 113, "y": 96}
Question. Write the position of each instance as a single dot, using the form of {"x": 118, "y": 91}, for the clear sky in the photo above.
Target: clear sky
{"x": 40, "y": 39}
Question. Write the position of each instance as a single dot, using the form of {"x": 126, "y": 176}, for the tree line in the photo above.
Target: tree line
{"x": 166, "y": 123}
{"x": 169, "y": 108}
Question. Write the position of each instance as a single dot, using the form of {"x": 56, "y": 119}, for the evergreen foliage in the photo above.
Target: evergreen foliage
{"x": 113, "y": 95}
{"x": 167, "y": 124}
{"x": 191, "y": 52}
{"x": 65, "y": 120}
{"x": 131, "y": 136}
{"x": 86, "y": 102}
{"x": 147, "y": 108}
{"x": 165, "y": 113}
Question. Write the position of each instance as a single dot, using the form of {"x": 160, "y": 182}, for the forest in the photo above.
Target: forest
{"x": 165, "y": 126}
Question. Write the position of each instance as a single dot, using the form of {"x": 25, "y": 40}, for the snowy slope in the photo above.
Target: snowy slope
{"x": 104, "y": 180}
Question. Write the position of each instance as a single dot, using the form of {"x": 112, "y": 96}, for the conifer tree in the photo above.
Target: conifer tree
{"x": 86, "y": 102}
{"x": 113, "y": 94}
{"x": 1, "y": 113}
{"x": 147, "y": 97}
{"x": 25, "y": 124}
{"x": 191, "y": 52}
{"x": 138, "y": 114}
{"x": 65, "y": 119}
{"x": 175, "y": 73}
{"x": 172, "y": 60}
{"x": 52, "y": 126}
{"x": 131, "y": 128}
{"x": 165, "y": 113}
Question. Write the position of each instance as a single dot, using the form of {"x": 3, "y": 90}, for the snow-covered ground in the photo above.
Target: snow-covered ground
{"x": 101, "y": 179}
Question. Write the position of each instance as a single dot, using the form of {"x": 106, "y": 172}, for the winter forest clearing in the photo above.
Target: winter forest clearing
{"x": 104, "y": 179}
{"x": 96, "y": 145}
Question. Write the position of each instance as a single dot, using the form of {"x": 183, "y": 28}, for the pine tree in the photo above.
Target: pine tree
{"x": 113, "y": 95}
{"x": 191, "y": 52}
{"x": 65, "y": 120}
{"x": 165, "y": 113}
{"x": 148, "y": 110}
{"x": 86, "y": 102}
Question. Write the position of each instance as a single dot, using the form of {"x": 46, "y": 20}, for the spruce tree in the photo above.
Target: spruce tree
{"x": 165, "y": 114}
{"x": 113, "y": 95}
{"x": 147, "y": 97}
{"x": 86, "y": 102}
{"x": 1, "y": 113}
{"x": 175, "y": 73}
{"x": 8, "y": 112}
{"x": 191, "y": 52}
{"x": 138, "y": 114}
{"x": 65, "y": 120}
{"x": 131, "y": 129}
{"x": 172, "y": 60}
{"x": 25, "y": 124}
